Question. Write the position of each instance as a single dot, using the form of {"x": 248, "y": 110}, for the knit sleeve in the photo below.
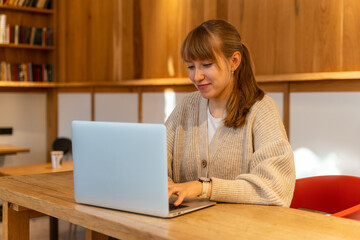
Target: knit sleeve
{"x": 170, "y": 124}
{"x": 172, "y": 128}
{"x": 271, "y": 176}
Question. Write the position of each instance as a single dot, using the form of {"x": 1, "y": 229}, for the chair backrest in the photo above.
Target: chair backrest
{"x": 331, "y": 194}
{"x": 62, "y": 144}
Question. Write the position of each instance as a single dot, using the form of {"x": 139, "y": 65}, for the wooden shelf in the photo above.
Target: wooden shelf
{"x": 163, "y": 82}
{"x": 305, "y": 77}
{"x": 14, "y": 84}
{"x": 27, "y": 46}
{"x": 280, "y": 78}
{"x": 27, "y": 9}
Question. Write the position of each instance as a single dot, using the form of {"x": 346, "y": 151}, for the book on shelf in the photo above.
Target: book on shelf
{"x": 44, "y": 4}
{"x": 2, "y": 28}
{"x": 16, "y": 34}
{"x": 49, "y": 37}
{"x": 26, "y": 72}
{"x": 21, "y": 2}
{"x": 38, "y": 36}
{"x": 40, "y": 3}
{"x": 32, "y": 35}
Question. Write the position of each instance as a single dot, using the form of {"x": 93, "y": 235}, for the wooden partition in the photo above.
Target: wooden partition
{"x": 117, "y": 40}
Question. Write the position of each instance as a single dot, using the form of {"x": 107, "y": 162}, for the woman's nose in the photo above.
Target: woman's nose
{"x": 199, "y": 75}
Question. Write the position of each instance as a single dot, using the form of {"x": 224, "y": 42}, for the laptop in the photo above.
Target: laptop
{"x": 123, "y": 166}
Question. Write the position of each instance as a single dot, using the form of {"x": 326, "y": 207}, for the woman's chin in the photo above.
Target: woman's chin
{"x": 205, "y": 95}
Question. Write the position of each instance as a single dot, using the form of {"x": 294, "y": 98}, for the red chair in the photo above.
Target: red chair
{"x": 338, "y": 195}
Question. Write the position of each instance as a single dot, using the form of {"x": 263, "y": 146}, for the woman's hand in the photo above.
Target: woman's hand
{"x": 184, "y": 190}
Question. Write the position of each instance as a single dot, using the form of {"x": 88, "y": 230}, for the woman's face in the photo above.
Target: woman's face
{"x": 214, "y": 82}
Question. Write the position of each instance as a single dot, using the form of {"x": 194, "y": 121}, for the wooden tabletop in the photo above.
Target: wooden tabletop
{"x": 35, "y": 169}
{"x": 52, "y": 194}
{"x": 9, "y": 149}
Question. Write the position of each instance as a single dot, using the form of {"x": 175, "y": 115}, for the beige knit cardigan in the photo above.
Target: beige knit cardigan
{"x": 253, "y": 164}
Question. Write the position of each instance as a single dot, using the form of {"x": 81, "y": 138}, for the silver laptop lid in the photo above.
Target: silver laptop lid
{"x": 121, "y": 166}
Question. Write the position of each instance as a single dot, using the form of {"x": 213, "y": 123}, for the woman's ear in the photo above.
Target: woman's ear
{"x": 235, "y": 61}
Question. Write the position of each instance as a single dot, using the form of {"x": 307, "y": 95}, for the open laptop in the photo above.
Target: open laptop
{"x": 124, "y": 166}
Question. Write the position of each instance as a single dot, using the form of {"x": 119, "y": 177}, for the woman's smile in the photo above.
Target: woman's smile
{"x": 203, "y": 86}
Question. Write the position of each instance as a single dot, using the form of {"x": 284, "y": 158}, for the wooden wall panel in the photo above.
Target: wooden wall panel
{"x": 258, "y": 31}
{"x": 304, "y": 35}
{"x": 87, "y": 40}
{"x": 77, "y": 41}
{"x": 100, "y": 47}
{"x": 123, "y": 40}
{"x": 173, "y": 36}
{"x": 318, "y": 36}
{"x": 268, "y": 30}
{"x": 222, "y": 9}
{"x": 60, "y": 43}
{"x": 117, "y": 40}
{"x": 210, "y": 7}
{"x": 328, "y": 35}
{"x": 236, "y": 13}
{"x": 351, "y": 35}
{"x": 284, "y": 46}
{"x": 154, "y": 41}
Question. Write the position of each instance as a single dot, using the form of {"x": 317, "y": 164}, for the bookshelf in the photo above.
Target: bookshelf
{"x": 27, "y": 40}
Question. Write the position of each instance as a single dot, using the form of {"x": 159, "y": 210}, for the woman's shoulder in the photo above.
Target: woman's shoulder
{"x": 190, "y": 99}
{"x": 265, "y": 102}
{"x": 186, "y": 108}
{"x": 188, "y": 102}
{"x": 266, "y": 105}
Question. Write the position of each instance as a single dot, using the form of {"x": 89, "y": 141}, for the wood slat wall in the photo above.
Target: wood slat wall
{"x": 115, "y": 40}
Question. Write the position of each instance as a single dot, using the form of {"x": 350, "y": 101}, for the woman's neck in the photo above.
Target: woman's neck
{"x": 217, "y": 108}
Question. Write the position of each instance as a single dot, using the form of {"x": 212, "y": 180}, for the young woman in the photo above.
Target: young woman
{"x": 226, "y": 142}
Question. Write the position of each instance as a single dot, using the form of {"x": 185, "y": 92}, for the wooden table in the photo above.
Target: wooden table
{"x": 9, "y": 149}
{"x": 52, "y": 194}
{"x": 35, "y": 169}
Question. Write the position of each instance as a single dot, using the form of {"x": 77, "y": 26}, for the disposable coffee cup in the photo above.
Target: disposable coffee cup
{"x": 56, "y": 158}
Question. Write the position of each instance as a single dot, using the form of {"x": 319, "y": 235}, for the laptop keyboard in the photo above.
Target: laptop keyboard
{"x": 173, "y": 207}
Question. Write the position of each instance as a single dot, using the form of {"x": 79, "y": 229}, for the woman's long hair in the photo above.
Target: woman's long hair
{"x": 218, "y": 38}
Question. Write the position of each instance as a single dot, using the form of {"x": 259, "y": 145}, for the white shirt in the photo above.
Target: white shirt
{"x": 213, "y": 123}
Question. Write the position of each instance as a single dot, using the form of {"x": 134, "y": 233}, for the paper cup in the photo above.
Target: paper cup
{"x": 56, "y": 158}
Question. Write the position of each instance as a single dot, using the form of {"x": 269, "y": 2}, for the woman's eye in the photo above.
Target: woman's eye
{"x": 207, "y": 64}
{"x": 190, "y": 67}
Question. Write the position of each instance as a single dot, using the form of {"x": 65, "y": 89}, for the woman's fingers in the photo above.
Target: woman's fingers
{"x": 180, "y": 199}
{"x": 172, "y": 189}
{"x": 184, "y": 190}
